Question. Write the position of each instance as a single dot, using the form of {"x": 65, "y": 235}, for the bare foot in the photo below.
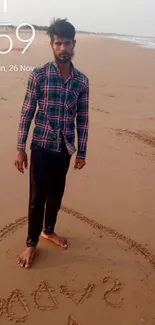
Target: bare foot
{"x": 60, "y": 241}
{"x": 26, "y": 258}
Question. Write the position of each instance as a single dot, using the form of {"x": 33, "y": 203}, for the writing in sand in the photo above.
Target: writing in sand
{"x": 16, "y": 297}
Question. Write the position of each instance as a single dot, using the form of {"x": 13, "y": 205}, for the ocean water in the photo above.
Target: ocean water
{"x": 147, "y": 42}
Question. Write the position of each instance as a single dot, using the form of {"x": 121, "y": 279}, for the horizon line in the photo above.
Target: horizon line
{"x": 45, "y": 28}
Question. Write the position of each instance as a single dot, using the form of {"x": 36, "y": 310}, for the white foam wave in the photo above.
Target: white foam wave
{"x": 148, "y": 42}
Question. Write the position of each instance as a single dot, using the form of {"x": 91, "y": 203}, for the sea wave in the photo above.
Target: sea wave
{"x": 147, "y": 42}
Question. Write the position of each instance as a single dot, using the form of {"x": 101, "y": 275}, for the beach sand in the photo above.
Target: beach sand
{"x": 106, "y": 276}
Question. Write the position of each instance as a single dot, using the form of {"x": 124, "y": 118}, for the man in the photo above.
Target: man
{"x": 61, "y": 93}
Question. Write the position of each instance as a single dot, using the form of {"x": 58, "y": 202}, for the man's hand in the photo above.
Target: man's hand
{"x": 79, "y": 163}
{"x": 21, "y": 161}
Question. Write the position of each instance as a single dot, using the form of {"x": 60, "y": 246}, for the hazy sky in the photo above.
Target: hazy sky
{"x": 120, "y": 16}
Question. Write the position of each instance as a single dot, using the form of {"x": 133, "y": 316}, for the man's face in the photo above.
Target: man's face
{"x": 63, "y": 49}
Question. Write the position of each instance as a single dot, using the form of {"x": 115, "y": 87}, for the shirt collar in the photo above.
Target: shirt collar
{"x": 73, "y": 70}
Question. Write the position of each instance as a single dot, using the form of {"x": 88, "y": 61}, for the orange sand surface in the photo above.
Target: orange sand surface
{"x": 106, "y": 276}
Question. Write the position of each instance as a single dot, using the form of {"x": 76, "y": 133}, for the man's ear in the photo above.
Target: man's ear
{"x": 51, "y": 43}
{"x": 74, "y": 43}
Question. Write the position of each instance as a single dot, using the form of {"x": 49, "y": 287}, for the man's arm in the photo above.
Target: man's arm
{"x": 82, "y": 121}
{"x": 27, "y": 112}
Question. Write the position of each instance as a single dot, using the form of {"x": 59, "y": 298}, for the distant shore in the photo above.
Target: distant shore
{"x": 45, "y": 28}
{"x": 140, "y": 41}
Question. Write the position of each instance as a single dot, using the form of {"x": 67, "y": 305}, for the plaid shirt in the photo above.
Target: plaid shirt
{"x": 60, "y": 104}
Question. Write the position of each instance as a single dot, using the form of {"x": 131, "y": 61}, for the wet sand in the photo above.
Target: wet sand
{"x": 108, "y": 208}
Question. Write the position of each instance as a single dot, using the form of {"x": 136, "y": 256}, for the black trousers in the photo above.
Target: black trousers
{"x": 48, "y": 172}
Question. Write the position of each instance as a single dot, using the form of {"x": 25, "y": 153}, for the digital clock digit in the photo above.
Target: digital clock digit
{"x": 6, "y": 36}
{"x": 5, "y": 5}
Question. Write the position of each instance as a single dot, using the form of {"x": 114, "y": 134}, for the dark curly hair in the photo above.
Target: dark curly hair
{"x": 62, "y": 28}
